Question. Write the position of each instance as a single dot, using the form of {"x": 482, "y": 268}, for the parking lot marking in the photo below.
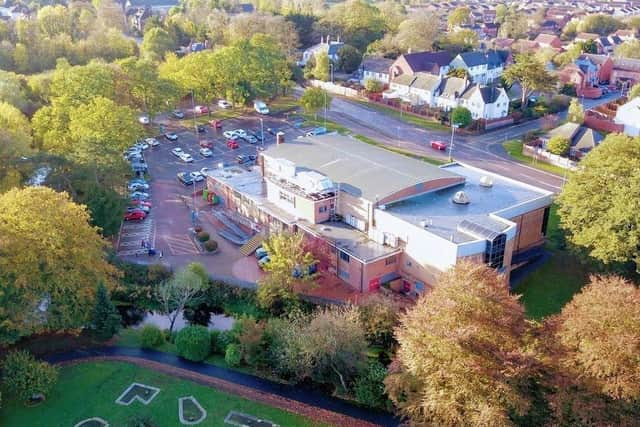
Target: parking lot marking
{"x": 181, "y": 245}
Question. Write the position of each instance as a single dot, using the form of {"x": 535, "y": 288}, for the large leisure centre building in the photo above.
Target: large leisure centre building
{"x": 378, "y": 217}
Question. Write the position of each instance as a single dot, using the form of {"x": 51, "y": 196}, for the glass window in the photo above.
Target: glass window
{"x": 344, "y": 275}
{"x": 391, "y": 260}
{"x": 322, "y": 209}
{"x": 344, "y": 256}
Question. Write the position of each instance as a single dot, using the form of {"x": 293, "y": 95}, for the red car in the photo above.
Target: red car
{"x": 141, "y": 203}
{"x": 232, "y": 144}
{"x": 135, "y": 216}
{"x": 439, "y": 145}
{"x": 201, "y": 109}
{"x": 216, "y": 124}
{"x": 206, "y": 144}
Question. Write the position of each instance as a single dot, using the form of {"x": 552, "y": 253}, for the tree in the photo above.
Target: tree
{"x": 417, "y": 33}
{"x": 15, "y": 138}
{"x": 501, "y": 13}
{"x": 629, "y": 49}
{"x": 531, "y": 74}
{"x": 576, "y": 112}
{"x": 601, "y": 218}
{"x": 369, "y": 387}
{"x": 106, "y": 319}
{"x": 559, "y": 145}
{"x": 25, "y": 377}
{"x": 150, "y": 92}
{"x": 194, "y": 343}
{"x": 634, "y": 92}
{"x": 378, "y": 316}
{"x": 461, "y": 359}
{"x": 156, "y": 43}
{"x": 600, "y": 24}
{"x": 461, "y": 116}
{"x": 349, "y": 59}
{"x": 314, "y": 99}
{"x": 459, "y": 16}
{"x": 460, "y": 73}
{"x": 321, "y": 70}
{"x": 176, "y": 293}
{"x": 515, "y": 24}
{"x": 600, "y": 332}
{"x": 392, "y": 13}
{"x": 373, "y": 86}
{"x": 460, "y": 41}
{"x": 357, "y": 21}
{"x": 50, "y": 262}
{"x": 13, "y": 90}
{"x": 281, "y": 31}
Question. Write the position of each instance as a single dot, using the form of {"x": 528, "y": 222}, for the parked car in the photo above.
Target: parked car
{"x": 139, "y": 195}
{"x": 141, "y": 203}
{"x": 134, "y": 157}
{"x": 144, "y": 120}
{"x": 241, "y": 133}
{"x": 216, "y": 124}
{"x": 196, "y": 176}
{"x": 258, "y": 135}
{"x": 144, "y": 209}
{"x": 224, "y": 104}
{"x": 261, "y": 253}
{"x": 438, "y": 145}
{"x": 272, "y": 131}
{"x": 177, "y": 151}
{"x": 142, "y": 145}
{"x": 241, "y": 159}
{"x": 201, "y": 129}
{"x": 251, "y": 139}
{"x": 178, "y": 114}
{"x": 137, "y": 186}
{"x": 135, "y": 216}
{"x": 138, "y": 181}
{"x": 206, "y": 152}
{"x": 152, "y": 142}
{"x": 262, "y": 262}
{"x": 204, "y": 171}
{"x": 298, "y": 272}
{"x": 139, "y": 167}
{"x": 317, "y": 131}
{"x": 171, "y": 136}
{"x": 230, "y": 134}
{"x": 260, "y": 107}
{"x": 232, "y": 144}
{"x": 184, "y": 178}
{"x": 205, "y": 144}
{"x": 201, "y": 109}
{"x": 186, "y": 157}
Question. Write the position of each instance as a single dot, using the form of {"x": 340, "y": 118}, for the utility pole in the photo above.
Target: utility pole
{"x": 193, "y": 107}
{"x": 325, "y": 109}
{"x": 453, "y": 129}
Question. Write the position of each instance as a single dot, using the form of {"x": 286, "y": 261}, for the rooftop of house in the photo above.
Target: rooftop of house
{"x": 626, "y": 64}
{"x": 596, "y": 59}
{"x": 360, "y": 169}
{"x": 453, "y": 87}
{"x": 546, "y": 38}
{"x": 491, "y": 58}
{"x": 567, "y": 130}
{"x": 377, "y": 65}
{"x": 443, "y": 217}
{"x": 489, "y": 94}
{"x": 426, "y": 81}
{"x": 426, "y": 61}
{"x": 586, "y": 139}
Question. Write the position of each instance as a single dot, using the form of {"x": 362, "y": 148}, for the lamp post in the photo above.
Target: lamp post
{"x": 454, "y": 126}
{"x": 193, "y": 107}
{"x": 331, "y": 68}
{"x": 261, "y": 132}
{"x": 325, "y": 109}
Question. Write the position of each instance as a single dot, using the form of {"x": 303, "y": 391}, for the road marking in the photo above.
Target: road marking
{"x": 181, "y": 245}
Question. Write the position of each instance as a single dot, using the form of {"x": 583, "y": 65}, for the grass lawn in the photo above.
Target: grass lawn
{"x": 409, "y": 118}
{"x": 514, "y": 149}
{"x": 407, "y": 153}
{"x": 90, "y": 390}
{"x": 282, "y": 104}
{"x": 547, "y": 289}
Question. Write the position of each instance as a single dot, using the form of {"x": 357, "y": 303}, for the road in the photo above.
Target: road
{"x": 483, "y": 151}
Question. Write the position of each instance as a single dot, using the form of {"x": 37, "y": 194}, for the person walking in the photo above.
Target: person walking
{"x": 142, "y": 243}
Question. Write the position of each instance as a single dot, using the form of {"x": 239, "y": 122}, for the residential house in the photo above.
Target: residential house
{"x": 487, "y": 103}
{"x": 549, "y": 26}
{"x": 400, "y": 88}
{"x": 582, "y": 138}
{"x": 490, "y": 30}
{"x": 502, "y": 44}
{"x": 482, "y": 66}
{"x": 331, "y": 48}
{"x": 604, "y": 45}
{"x": 15, "y": 12}
{"x": 628, "y": 115}
{"x": 583, "y": 75}
{"x": 417, "y": 89}
{"x": 548, "y": 41}
{"x": 603, "y": 63}
{"x": 585, "y": 37}
{"x": 449, "y": 92}
{"x": 625, "y": 35}
{"x": 626, "y": 72}
{"x": 436, "y": 63}
{"x": 376, "y": 68}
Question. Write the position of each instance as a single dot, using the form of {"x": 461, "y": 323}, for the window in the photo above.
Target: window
{"x": 545, "y": 221}
{"x": 390, "y": 260}
{"x": 344, "y": 256}
{"x": 344, "y": 275}
{"x": 494, "y": 253}
{"x": 322, "y": 209}
{"x": 286, "y": 197}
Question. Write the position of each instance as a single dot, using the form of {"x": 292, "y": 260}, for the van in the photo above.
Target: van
{"x": 261, "y": 107}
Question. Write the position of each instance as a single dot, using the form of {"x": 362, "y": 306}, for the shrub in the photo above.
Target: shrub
{"x": 203, "y": 236}
{"x": 379, "y": 317}
{"x": 233, "y": 355}
{"x": 151, "y": 336}
{"x": 197, "y": 228}
{"x": 461, "y": 116}
{"x": 214, "y": 336}
{"x": 559, "y": 145}
{"x": 193, "y": 343}
{"x": 168, "y": 335}
{"x": 26, "y": 377}
{"x": 251, "y": 342}
{"x": 210, "y": 245}
{"x": 369, "y": 388}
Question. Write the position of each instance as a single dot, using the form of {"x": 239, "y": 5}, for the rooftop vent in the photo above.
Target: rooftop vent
{"x": 486, "y": 182}
{"x": 461, "y": 198}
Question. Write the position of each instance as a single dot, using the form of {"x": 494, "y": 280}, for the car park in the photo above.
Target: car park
{"x": 223, "y": 103}
{"x": 438, "y": 145}
{"x": 206, "y": 152}
{"x": 144, "y": 120}
{"x": 196, "y": 176}
{"x": 205, "y": 144}
{"x": 171, "y": 136}
{"x": 184, "y": 178}
{"x": 135, "y": 216}
{"x": 177, "y": 151}
{"x": 232, "y": 144}
{"x": 201, "y": 109}
{"x": 216, "y": 124}
{"x": 186, "y": 157}
{"x": 178, "y": 114}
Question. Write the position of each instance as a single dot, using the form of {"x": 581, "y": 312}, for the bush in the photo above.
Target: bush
{"x": 151, "y": 336}
{"x": 379, "y": 317}
{"x": 26, "y": 377}
{"x": 233, "y": 355}
{"x": 197, "y": 228}
{"x": 210, "y": 245}
{"x": 193, "y": 343}
{"x": 559, "y": 145}
{"x": 461, "y": 116}
{"x": 203, "y": 236}
{"x": 369, "y": 388}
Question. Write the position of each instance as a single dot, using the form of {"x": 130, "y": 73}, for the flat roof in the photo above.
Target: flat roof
{"x": 361, "y": 169}
{"x": 443, "y": 217}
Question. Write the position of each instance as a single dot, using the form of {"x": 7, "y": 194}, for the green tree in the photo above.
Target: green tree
{"x": 600, "y": 24}
{"x": 461, "y": 116}
{"x": 460, "y": 73}
{"x": 193, "y": 343}
{"x": 373, "y": 86}
{"x": 15, "y": 138}
{"x": 13, "y": 90}
{"x": 106, "y": 319}
{"x": 634, "y": 92}
{"x": 357, "y": 21}
{"x": 461, "y": 40}
{"x": 417, "y": 33}
{"x": 321, "y": 69}
{"x": 314, "y": 99}
{"x": 369, "y": 387}
{"x": 515, "y": 24}
{"x": 349, "y": 59}
{"x": 531, "y": 74}
{"x": 25, "y": 377}
{"x": 151, "y": 336}
{"x": 392, "y": 13}
{"x": 628, "y": 49}
{"x": 598, "y": 217}
{"x": 559, "y": 145}
{"x": 461, "y": 359}
{"x": 50, "y": 262}
{"x": 156, "y": 43}
{"x": 378, "y": 316}
{"x": 461, "y": 15}
{"x": 576, "y": 112}
{"x": 501, "y": 13}
{"x": 176, "y": 293}
{"x": 150, "y": 92}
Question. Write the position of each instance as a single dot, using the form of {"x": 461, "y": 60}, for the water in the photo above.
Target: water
{"x": 216, "y": 321}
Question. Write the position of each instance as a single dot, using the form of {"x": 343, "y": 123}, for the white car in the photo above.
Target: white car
{"x": 177, "y": 152}
{"x": 206, "y": 152}
{"x": 230, "y": 134}
{"x": 204, "y": 171}
{"x": 142, "y": 145}
{"x": 196, "y": 176}
{"x": 144, "y": 120}
{"x": 241, "y": 133}
{"x": 152, "y": 142}
{"x": 223, "y": 103}
{"x": 137, "y": 186}
{"x": 260, "y": 107}
{"x": 186, "y": 158}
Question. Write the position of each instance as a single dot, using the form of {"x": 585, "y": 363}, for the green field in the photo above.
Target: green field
{"x": 90, "y": 390}
{"x": 408, "y": 118}
{"x": 514, "y": 149}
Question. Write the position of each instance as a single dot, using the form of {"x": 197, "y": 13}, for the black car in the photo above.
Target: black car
{"x": 272, "y": 131}
{"x": 184, "y": 178}
{"x": 202, "y": 129}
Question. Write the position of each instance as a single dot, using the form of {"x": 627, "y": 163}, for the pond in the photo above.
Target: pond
{"x": 216, "y": 321}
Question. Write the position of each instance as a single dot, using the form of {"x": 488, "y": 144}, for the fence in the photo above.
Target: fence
{"x": 598, "y": 122}
{"x": 335, "y": 89}
{"x": 547, "y": 157}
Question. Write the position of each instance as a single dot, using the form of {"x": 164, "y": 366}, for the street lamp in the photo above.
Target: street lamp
{"x": 325, "y": 109}
{"x": 454, "y": 126}
{"x": 261, "y": 132}
{"x": 193, "y": 106}
{"x": 331, "y": 68}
